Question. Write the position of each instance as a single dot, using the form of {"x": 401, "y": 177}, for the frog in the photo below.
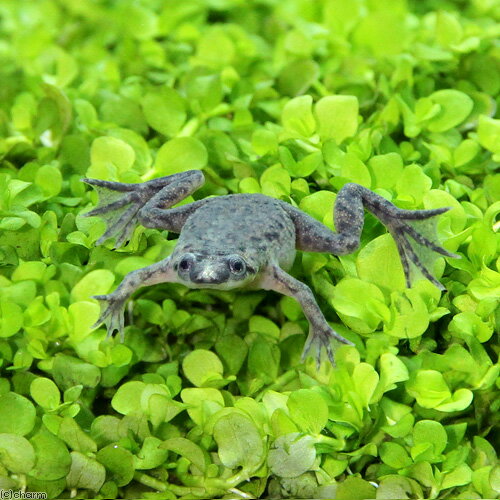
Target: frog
{"x": 247, "y": 241}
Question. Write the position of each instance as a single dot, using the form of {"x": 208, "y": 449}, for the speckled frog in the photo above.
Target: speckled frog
{"x": 245, "y": 241}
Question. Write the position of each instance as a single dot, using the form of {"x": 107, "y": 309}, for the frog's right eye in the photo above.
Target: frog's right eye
{"x": 186, "y": 262}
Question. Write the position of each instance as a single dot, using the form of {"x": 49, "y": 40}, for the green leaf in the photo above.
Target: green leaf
{"x": 355, "y": 488}
{"x": 11, "y": 319}
{"x": 308, "y": 410}
{"x": 365, "y": 382}
{"x": 386, "y": 169}
{"x": 69, "y": 371}
{"x": 470, "y": 323}
{"x": 297, "y": 116}
{"x": 180, "y": 154}
{"x": 394, "y": 455}
{"x": 239, "y": 441}
{"x": 337, "y": 117}
{"x": 455, "y": 107}
{"x": 409, "y": 315}
{"x": 428, "y": 387}
{"x": 413, "y": 184}
{"x": 45, "y": 393}
{"x": 49, "y": 179}
{"x": 127, "y": 398}
{"x": 201, "y": 366}
{"x": 93, "y": 283}
{"x": 460, "y": 400}
{"x": 319, "y": 205}
{"x": 71, "y": 433}
{"x": 461, "y": 475}
{"x": 16, "y": 453}
{"x": 151, "y": 455}
{"x": 488, "y": 133}
{"x": 110, "y": 150}
{"x": 119, "y": 462}
{"x": 264, "y": 142}
{"x": 296, "y": 77}
{"x": 164, "y": 110}
{"x": 430, "y": 432}
{"x": 202, "y": 403}
{"x": 392, "y": 370}
{"x": 85, "y": 472}
{"x": 186, "y": 449}
{"x": 233, "y": 351}
{"x": 384, "y": 32}
{"x": 359, "y": 304}
{"x": 17, "y": 414}
{"x": 53, "y": 460}
{"x": 263, "y": 359}
{"x": 291, "y": 455}
{"x": 259, "y": 324}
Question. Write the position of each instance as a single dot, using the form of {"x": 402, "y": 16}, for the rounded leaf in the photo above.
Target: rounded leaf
{"x": 127, "y": 398}
{"x": 201, "y": 364}
{"x": 455, "y": 108}
{"x": 240, "y": 443}
{"x": 112, "y": 150}
{"x": 53, "y": 460}
{"x": 164, "y": 110}
{"x": 308, "y": 410}
{"x": 17, "y": 414}
{"x": 181, "y": 154}
{"x": 45, "y": 393}
{"x": 291, "y": 455}
{"x": 16, "y": 453}
{"x": 118, "y": 461}
{"x": 85, "y": 472}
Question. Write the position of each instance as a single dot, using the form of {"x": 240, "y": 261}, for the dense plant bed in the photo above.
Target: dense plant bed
{"x": 207, "y": 397}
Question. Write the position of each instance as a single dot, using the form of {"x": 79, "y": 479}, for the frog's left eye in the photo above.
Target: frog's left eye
{"x": 237, "y": 265}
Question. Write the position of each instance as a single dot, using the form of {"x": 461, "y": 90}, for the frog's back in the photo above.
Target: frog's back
{"x": 245, "y": 223}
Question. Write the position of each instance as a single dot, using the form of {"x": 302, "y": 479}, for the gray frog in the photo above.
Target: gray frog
{"x": 245, "y": 241}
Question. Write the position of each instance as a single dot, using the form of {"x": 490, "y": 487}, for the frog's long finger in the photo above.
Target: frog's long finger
{"x": 329, "y": 353}
{"x": 422, "y": 240}
{"x": 113, "y": 186}
{"x": 121, "y": 228}
{"x": 110, "y": 207}
{"x": 421, "y": 214}
{"x": 402, "y": 255}
{"x": 414, "y": 258}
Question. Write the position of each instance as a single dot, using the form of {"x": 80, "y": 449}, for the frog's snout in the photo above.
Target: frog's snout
{"x": 210, "y": 275}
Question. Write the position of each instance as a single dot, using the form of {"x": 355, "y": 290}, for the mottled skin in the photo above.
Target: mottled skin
{"x": 244, "y": 240}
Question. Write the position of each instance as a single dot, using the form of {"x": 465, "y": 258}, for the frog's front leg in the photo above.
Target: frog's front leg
{"x": 352, "y": 199}
{"x": 320, "y": 332}
{"x": 123, "y": 206}
{"x": 113, "y": 303}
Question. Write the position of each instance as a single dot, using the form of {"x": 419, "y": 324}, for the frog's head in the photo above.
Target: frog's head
{"x": 221, "y": 271}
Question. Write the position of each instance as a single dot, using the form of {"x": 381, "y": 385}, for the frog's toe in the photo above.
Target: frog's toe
{"x": 319, "y": 339}
{"x": 417, "y": 250}
{"x": 111, "y": 316}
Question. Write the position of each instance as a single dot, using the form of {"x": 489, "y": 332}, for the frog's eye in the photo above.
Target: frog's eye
{"x": 186, "y": 262}
{"x": 237, "y": 265}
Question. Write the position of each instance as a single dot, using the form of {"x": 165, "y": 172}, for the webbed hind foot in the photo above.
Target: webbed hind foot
{"x": 124, "y": 206}
{"x": 412, "y": 244}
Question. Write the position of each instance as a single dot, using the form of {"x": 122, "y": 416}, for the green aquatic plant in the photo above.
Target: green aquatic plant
{"x": 207, "y": 396}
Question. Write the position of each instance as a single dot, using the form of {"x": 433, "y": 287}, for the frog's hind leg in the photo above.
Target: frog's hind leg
{"x": 123, "y": 206}
{"x": 413, "y": 245}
